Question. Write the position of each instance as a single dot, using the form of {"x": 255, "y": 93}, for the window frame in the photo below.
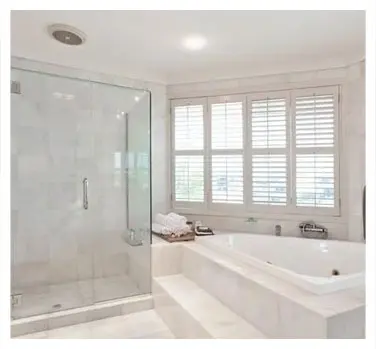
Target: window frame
{"x": 250, "y": 151}
{"x": 247, "y": 208}
{"x": 329, "y": 211}
{"x": 225, "y": 207}
{"x": 181, "y": 103}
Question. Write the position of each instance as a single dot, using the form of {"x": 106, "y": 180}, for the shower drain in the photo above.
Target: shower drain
{"x": 56, "y": 306}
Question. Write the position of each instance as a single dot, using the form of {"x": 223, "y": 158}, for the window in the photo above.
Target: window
{"x": 188, "y": 146}
{"x": 266, "y": 152}
{"x": 314, "y": 114}
{"x": 226, "y": 150}
{"x": 268, "y": 122}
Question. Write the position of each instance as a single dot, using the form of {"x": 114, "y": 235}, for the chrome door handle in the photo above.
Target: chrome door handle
{"x": 85, "y": 199}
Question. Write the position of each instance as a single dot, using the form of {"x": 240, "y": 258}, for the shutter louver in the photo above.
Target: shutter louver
{"x": 189, "y": 127}
{"x": 189, "y": 153}
{"x": 227, "y": 179}
{"x": 227, "y": 125}
{"x": 269, "y": 150}
{"x": 315, "y": 180}
{"x": 269, "y": 179}
{"x": 268, "y": 123}
{"x": 227, "y": 152}
{"x": 189, "y": 178}
{"x": 314, "y": 121}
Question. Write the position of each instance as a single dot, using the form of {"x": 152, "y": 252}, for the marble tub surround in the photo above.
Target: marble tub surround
{"x": 80, "y": 315}
{"x": 275, "y": 307}
{"x": 167, "y": 258}
{"x": 141, "y": 325}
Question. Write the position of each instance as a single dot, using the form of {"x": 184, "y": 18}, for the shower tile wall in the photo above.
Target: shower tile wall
{"x": 64, "y": 130}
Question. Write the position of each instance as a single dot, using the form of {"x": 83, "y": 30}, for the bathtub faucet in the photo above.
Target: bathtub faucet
{"x": 310, "y": 229}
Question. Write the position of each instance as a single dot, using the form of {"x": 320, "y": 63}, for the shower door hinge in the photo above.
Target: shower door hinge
{"x": 15, "y": 87}
{"x": 16, "y": 300}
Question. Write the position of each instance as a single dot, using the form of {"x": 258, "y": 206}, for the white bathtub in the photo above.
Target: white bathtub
{"x": 306, "y": 263}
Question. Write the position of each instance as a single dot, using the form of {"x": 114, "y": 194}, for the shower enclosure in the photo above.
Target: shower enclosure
{"x": 80, "y": 193}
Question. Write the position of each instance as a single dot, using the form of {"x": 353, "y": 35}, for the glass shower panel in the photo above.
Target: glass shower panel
{"x": 108, "y": 185}
{"x": 139, "y": 188}
{"x": 29, "y": 197}
{"x": 114, "y": 267}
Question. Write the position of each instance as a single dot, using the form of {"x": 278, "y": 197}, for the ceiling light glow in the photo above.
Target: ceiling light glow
{"x": 194, "y": 42}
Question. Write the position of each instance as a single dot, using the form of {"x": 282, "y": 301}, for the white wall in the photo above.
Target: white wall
{"x": 352, "y": 146}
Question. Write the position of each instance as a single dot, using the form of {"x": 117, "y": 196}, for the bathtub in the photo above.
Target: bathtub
{"x": 306, "y": 263}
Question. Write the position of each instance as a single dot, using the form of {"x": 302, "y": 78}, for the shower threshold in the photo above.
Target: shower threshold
{"x": 76, "y": 316}
{"x": 71, "y": 295}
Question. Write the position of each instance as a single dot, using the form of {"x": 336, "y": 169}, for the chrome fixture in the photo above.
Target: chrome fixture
{"x": 278, "y": 230}
{"x": 364, "y": 213}
{"x": 310, "y": 229}
{"x": 85, "y": 199}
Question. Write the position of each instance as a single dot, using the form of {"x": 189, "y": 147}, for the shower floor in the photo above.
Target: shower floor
{"x": 47, "y": 299}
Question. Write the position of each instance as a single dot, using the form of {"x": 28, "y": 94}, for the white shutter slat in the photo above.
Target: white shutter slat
{"x": 315, "y": 180}
{"x": 314, "y": 121}
{"x": 268, "y": 117}
{"x": 315, "y": 146}
{"x": 227, "y": 125}
{"x": 269, "y": 179}
{"x": 227, "y": 179}
{"x": 189, "y": 127}
{"x": 189, "y": 178}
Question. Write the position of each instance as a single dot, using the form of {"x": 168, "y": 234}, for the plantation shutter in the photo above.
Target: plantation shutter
{"x": 188, "y": 148}
{"x": 269, "y": 148}
{"x": 315, "y": 117}
{"x": 227, "y": 143}
{"x": 189, "y": 178}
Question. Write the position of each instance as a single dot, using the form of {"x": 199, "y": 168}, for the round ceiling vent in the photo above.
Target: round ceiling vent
{"x": 66, "y": 34}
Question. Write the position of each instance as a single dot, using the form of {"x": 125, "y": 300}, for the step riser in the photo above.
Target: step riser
{"x": 179, "y": 321}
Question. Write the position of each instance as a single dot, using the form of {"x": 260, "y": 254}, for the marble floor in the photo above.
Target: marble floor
{"x": 142, "y": 325}
{"x": 37, "y": 301}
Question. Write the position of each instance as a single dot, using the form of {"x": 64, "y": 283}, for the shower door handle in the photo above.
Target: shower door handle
{"x": 85, "y": 199}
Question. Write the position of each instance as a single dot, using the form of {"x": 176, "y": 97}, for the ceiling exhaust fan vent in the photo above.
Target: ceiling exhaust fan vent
{"x": 66, "y": 34}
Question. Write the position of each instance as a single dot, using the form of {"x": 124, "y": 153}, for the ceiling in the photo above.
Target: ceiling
{"x": 147, "y": 44}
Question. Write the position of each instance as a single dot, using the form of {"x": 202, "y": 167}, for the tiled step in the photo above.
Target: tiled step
{"x": 191, "y": 312}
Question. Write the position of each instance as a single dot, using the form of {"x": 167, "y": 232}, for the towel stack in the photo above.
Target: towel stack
{"x": 170, "y": 224}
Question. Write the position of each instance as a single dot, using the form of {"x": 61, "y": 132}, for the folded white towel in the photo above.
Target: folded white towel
{"x": 160, "y": 229}
{"x": 168, "y": 221}
{"x": 178, "y": 218}
{"x": 160, "y": 219}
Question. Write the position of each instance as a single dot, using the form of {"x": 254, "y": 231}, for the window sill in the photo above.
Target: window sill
{"x": 264, "y": 216}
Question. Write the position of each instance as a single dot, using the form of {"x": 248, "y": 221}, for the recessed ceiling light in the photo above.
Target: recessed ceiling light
{"x": 194, "y": 42}
{"x": 136, "y": 98}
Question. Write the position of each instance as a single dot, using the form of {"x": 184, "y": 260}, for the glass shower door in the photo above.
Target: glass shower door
{"x": 52, "y": 264}
{"x": 80, "y": 193}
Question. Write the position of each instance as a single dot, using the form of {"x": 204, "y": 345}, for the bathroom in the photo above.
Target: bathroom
{"x": 247, "y": 125}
